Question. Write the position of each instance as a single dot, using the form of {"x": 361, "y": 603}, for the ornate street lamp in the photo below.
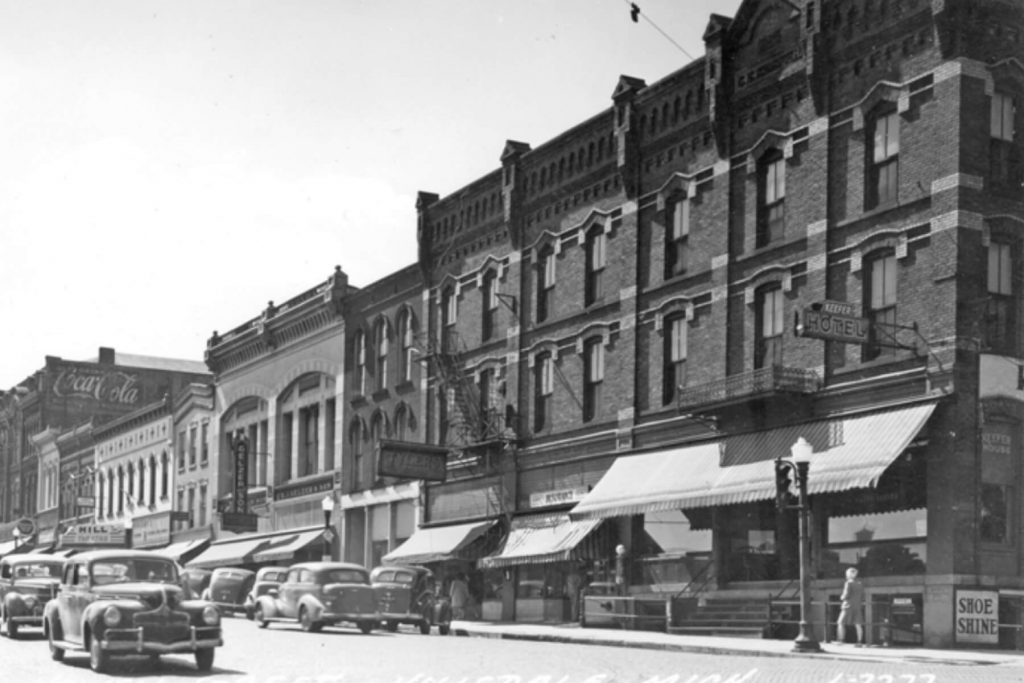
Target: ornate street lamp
{"x": 798, "y": 465}
{"x": 327, "y": 505}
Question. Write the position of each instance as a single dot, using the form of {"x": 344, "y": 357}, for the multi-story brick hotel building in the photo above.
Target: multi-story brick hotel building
{"x": 614, "y": 315}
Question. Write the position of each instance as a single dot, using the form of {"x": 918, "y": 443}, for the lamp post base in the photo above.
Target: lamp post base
{"x": 805, "y": 643}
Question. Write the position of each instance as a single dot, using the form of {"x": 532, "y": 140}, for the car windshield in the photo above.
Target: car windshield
{"x": 133, "y": 569}
{"x": 343, "y": 576}
{"x": 231, "y": 575}
{"x": 274, "y": 576}
{"x": 36, "y": 570}
{"x": 402, "y": 577}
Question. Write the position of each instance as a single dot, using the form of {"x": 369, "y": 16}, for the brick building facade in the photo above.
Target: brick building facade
{"x": 648, "y": 288}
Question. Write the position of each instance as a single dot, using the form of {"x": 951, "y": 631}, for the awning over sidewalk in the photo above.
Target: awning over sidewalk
{"x": 286, "y": 549}
{"x": 539, "y": 539}
{"x": 849, "y": 452}
{"x": 440, "y": 543}
{"x": 182, "y": 549}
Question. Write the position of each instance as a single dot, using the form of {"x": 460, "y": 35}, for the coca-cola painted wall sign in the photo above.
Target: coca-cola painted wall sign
{"x": 109, "y": 386}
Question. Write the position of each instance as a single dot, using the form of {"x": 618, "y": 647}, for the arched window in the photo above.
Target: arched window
{"x": 406, "y": 335}
{"x": 380, "y": 336}
{"x": 165, "y": 466}
{"x": 355, "y": 439}
{"x": 359, "y": 346}
{"x": 152, "y": 480}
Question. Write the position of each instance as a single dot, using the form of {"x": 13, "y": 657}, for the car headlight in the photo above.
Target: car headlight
{"x": 111, "y": 616}
{"x": 210, "y": 615}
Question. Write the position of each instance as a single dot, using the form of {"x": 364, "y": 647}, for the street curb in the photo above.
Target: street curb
{"x": 714, "y": 650}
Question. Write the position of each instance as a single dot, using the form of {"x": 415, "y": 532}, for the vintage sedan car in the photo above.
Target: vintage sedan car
{"x": 228, "y": 588}
{"x": 408, "y": 595}
{"x": 195, "y": 581}
{"x": 266, "y": 578}
{"x": 318, "y": 594}
{"x": 113, "y": 602}
{"x": 27, "y": 583}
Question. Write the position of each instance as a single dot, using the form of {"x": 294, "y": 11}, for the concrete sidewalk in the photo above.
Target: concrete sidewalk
{"x": 723, "y": 645}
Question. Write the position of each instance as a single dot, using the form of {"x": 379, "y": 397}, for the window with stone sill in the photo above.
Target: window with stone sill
{"x": 543, "y": 388}
{"x": 380, "y": 335}
{"x": 771, "y": 198}
{"x": 677, "y": 236}
{"x": 880, "y": 279}
{"x": 360, "y": 374}
{"x": 674, "y": 358}
{"x": 593, "y": 377}
{"x": 883, "y": 158}
{"x": 1000, "y": 323}
{"x": 489, "y": 306}
{"x": 593, "y": 289}
{"x": 769, "y": 306}
{"x": 545, "y": 282}
{"x": 1005, "y": 168}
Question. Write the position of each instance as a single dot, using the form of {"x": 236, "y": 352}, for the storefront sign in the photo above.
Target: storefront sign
{"x": 152, "y": 530}
{"x": 94, "y": 534}
{"x": 411, "y": 460}
{"x": 557, "y": 497}
{"x": 834, "y": 321}
{"x": 240, "y": 502}
{"x": 323, "y": 485}
{"x": 977, "y": 617}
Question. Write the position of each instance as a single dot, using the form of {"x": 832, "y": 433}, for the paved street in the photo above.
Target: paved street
{"x": 284, "y": 654}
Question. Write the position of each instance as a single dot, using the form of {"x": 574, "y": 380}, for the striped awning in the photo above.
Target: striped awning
{"x": 849, "y": 452}
{"x": 540, "y": 539}
{"x": 440, "y": 543}
{"x": 287, "y": 549}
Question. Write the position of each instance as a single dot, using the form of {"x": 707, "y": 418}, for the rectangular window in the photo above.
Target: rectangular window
{"x": 677, "y": 235}
{"x": 193, "y": 450}
{"x": 1003, "y": 111}
{"x": 884, "y": 162}
{"x": 181, "y": 451}
{"x": 674, "y": 369}
{"x": 489, "y": 295}
{"x": 407, "y": 347}
{"x": 772, "y": 191}
{"x": 204, "y": 445}
{"x": 593, "y": 376}
{"x": 181, "y": 505}
{"x": 202, "y": 505}
{"x": 485, "y": 388}
{"x": 880, "y": 299}
{"x": 1000, "y": 318}
{"x": 545, "y": 283}
{"x": 191, "y": 507}
{"x": 543, "y": 387}
{"x": 382, "y": 357}
{"x": 769, "y": 322}
{"x": 595, "y": 257}
{"x": 1004, "y": 156}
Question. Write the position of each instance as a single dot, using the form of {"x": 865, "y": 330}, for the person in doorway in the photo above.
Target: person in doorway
{"x": 852, "y": 608}
{"x": 573, "y": 586}
{"x": 459, "y": 594}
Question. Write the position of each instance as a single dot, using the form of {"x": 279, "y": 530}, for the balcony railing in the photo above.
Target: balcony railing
{"x": 765, "y": 381}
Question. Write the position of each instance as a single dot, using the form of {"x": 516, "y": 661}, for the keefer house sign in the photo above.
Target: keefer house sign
{"x": 834, "y": 321}
{"x": 240, "y": 501}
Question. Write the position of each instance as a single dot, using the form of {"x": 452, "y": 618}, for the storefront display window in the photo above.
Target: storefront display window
{"x": 880, "y": 544}
{"x": 676, "y": 552}
{"x": 541, "y": 581}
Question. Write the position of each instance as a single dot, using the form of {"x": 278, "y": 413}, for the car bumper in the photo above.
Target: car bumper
{"x": 130, "y": 640}
{"x": 405, "y": 617}
{"x": 350, "y": 616}
{"x": 28, "y": 620}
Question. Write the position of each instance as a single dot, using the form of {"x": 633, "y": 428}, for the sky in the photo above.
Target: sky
{"x": 168, "y": 167}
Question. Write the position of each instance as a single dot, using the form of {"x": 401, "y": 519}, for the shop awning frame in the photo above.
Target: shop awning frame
{"x": 849, "y": 452}
{"x": 283, "y": 550}
{"x": 440, "y": 543}
{"x": 541, "y": 539}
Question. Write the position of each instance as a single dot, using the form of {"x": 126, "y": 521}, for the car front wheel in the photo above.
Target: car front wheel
{"x": 204, "y": 659}
{"x": 98, "y": 659}
{"x": 259, "y": 618}
{"x": 12, "y": 628}
{"x": 56, "y": 653}
{"x": 365, "y": 626}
